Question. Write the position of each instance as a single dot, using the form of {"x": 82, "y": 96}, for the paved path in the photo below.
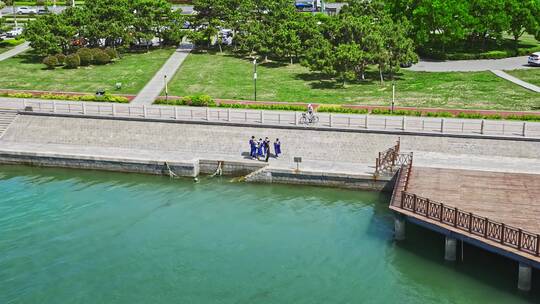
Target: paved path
{"x": 156, "y": 85}
{"x": 15, "y": 51}
{"x": 517, "y": 81}
{"x": 512, "y": 63}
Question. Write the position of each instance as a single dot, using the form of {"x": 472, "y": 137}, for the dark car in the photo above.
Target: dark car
{"x": 43, "y": 11}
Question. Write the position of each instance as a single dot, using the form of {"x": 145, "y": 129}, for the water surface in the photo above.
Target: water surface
{"x": 69, "y": 236}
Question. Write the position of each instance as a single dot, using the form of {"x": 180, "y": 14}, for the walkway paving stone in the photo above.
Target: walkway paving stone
{"x": 156, "y": 85}
{"x": 526, "y": 85}
{"x": 15, "y": 51}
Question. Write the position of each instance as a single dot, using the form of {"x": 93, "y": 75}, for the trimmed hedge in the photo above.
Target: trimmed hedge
{"x": 113, "y": 54}
{"x": 100, "y": 57}
{"x": 72, "y": 61}
{"x": 61, "y": 58}
{"x": 50, "y": 61}
{"x": 339, "y": 109}
{"x": 105, "y": 98}
{"x": 86, "y": 56}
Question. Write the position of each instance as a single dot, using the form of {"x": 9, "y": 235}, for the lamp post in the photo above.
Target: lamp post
{"x": 255, "y": 78}
{"x": 393, "y": 96}
{"x": 166, "y": 88}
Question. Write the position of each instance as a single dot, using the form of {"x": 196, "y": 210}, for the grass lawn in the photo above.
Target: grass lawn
{"x": 228, "y": 77}
{"x": 134, "y": 70}
{"x": 529, "y": 75}
{"x": 7, "y": 45}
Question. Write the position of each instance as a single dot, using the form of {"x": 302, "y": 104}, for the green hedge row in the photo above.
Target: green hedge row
{"x": 105, "y": 98}
{"x": 208, "y": 101}
{"x": 436, "y": 54}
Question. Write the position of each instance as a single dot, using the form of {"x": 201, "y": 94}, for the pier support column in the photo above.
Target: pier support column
{"x": 399, "y": 227}
{"x": 450, "y": 249}
{"x": 524, "y": 277}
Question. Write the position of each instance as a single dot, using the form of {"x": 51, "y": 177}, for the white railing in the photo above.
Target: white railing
{"x": 285, "y": 118}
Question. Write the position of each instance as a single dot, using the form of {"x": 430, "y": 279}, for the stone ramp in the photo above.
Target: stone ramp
{"x": 6, "y": 118}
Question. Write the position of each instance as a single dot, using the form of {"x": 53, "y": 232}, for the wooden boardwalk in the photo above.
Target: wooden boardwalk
{"x": 501, "y": 210}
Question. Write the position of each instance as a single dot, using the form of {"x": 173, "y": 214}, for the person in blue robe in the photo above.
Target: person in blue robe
{"x": 253, "y": 147}
{"x": 260, "y": 151}
{"x": 277, "y": 147}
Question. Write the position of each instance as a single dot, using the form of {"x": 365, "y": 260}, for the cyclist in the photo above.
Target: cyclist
{"x": 310, "y": 109}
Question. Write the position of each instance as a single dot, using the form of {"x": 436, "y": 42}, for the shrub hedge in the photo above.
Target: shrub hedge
{"x": 72, "y": 61}
{"x": 113, "y": 54}
{"x": 86, "y": 55}
{"x": 50, "y": 61}
{"x": 61, "y": 58}
{"x": 100, "y": 57}
{"x": 105, "y": 98}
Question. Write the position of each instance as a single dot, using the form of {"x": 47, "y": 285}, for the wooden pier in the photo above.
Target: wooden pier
{"x": 499, "y": 212}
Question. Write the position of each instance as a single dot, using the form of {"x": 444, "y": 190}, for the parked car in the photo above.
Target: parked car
{"x": 43, "y": 11}
{"x": 14, "y": 33}
{"x": 23, "y": 10}
{"x": 534, "y": 59}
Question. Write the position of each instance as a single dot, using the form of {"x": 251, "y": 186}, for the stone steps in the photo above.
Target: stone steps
{"x": 6, "y": 118}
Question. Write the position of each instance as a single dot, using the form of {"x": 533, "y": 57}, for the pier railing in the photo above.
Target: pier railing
{"x": 288, "y": 118}
{"x": 483, "y": 227}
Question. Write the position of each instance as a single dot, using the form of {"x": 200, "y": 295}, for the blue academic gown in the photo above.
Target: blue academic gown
{"x": 277, "y": 148}
{"x": 253, "y": 147}
{"x": 260, "y": 150}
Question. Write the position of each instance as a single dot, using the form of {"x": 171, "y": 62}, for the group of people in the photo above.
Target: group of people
{"x": 261, "y": 148}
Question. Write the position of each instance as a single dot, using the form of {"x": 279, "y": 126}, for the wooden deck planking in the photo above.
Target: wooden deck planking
{"x": 510, "y": 198}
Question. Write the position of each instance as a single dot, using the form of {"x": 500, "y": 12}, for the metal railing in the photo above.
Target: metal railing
{"x": 483, "y": 227}
{"x": 326, "y": 120}
{"x": 467, "y": 221}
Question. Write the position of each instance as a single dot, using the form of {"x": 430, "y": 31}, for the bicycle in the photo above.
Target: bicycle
{"x": 308, "y": 119}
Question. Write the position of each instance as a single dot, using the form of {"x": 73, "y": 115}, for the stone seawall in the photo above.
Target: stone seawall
{"x": 326, "y": 179}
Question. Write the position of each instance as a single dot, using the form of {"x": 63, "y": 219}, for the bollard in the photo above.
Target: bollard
{"x": 175, "y": 113}
{"x": 366, "y": 122}
{"x": 262, "y": 117}
{"x": 482, "y": 127}
{"x": 113, "y": 110}
{"x": 403, "y": 124}
{"x": 295, "y": 118}
{"x": 524, "y": 127}
{"x": 207, "y": 114}
{"x": 442, "y": 125}
{"x": 54, "y": 106}
{"x": 144, "y": 111}
{"x": 330, "y": 119}
{"x": 84, "y": 108}
{"x": 228, "y": 114}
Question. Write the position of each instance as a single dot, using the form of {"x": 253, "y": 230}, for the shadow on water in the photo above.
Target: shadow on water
{"x": 480, "y": 265}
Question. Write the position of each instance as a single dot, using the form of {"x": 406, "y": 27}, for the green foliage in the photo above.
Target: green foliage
{"x": 86, "y": 56}
{"x": 199, "y": 101}
{"x": 113, "y": 54}
{"x": 439, "y": 114}
{"x": 20, "y": 95}
{"x": 73, "y": 61}
{"x": 105, "y": 98}
{"x": 50, "y": 61}
{"x": 61, "y": 58}
{"x": 340, "y": 109}
{"x": 100, "y": 57}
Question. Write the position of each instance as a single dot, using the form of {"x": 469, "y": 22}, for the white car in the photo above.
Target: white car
{"x": 534, "y": 59}
{"x": 23, "y": 10}
{"x": 14, "y": 33}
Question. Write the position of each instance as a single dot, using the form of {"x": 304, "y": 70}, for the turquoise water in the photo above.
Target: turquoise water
{"x": 70, "y": 236}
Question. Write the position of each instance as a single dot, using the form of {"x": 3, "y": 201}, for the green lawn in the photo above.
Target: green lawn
{"x": 228, "y": 77}
{"x": 6, "y": 45}
{"x": 133, "y": 71}
{"x": 529, "y": 75}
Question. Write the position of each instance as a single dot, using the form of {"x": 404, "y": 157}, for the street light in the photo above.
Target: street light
{"x": 166, "y": 88}
{"x": 393, "y": 96}
{"x": 255, "y": 78}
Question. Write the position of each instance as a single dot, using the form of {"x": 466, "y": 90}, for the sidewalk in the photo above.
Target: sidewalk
{"x": 156, "y": 85}
{"x": 15, "y": 51}
{"x": 519, "y": 82}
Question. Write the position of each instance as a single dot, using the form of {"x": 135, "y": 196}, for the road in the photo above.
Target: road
{"x": 512, "y": 63}
{"x": 186, "y": 9}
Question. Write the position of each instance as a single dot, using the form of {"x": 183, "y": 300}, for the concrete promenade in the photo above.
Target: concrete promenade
{"x": 157, "y": 84}
{"x": 328, "y": 151}
{"x": 288, "y": 119}
{"x": 512, "y": 63}
{"x": 519, "y": 82}
{"x": 15, "y": 51}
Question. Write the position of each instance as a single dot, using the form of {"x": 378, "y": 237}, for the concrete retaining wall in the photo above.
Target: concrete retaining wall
{"x": 285, "y": 176}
